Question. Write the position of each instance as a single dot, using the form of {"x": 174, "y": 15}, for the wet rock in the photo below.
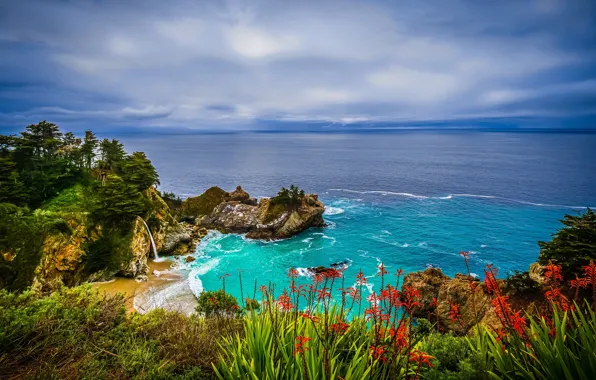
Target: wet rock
{"x": 189, "y": 259}
{"x": 141, "y": 278}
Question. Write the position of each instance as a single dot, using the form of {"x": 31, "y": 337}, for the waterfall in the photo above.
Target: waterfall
{"x": 152, "y": 241}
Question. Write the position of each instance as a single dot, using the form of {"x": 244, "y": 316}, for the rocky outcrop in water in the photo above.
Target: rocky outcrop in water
{"x": 237, "y": 212}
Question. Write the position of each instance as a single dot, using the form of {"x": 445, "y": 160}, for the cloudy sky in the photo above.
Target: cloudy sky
{"x": 236, "y": 64}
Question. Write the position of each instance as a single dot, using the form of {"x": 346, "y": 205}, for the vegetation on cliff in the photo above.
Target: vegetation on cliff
{"x": 75, "y": 197}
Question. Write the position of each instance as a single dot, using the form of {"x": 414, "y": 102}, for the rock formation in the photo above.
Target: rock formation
{"x": 236, "y": 212}
{"x": 432, "y": 283}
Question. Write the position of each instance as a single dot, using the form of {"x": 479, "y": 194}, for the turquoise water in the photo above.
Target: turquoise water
{"x": 396, "y": 205}
{"x": 402, "y": 231}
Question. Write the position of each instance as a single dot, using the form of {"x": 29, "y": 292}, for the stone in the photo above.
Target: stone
{"x": 189, "y": 259}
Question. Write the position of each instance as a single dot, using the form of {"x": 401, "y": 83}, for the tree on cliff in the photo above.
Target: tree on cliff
{"x": 118, "y": 202}
{"x": 137, "y": 170}
{"x": 90, "y": 143}
{"x": 112, "y": 153}
{"x": 574, "y": 245}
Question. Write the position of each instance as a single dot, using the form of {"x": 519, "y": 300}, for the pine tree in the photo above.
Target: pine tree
{"x": 574, "y": 245}
{"x": 137, "y": 170}
{"x": 88, "y": 148}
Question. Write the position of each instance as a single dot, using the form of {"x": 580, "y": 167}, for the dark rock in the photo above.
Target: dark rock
{"x": 189, "y": 259}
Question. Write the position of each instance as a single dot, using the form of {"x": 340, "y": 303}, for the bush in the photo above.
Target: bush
{"x": 218, "y": 303}
{"x": 79, "y": 333}
{"x": 454, "y": 358}
{"x": 521, "y": 283}
{"x": 290, "y": 196}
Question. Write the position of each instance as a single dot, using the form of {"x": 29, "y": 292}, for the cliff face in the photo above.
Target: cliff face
{"x": 66, "y": 255}
{"x": 236, "y": 212}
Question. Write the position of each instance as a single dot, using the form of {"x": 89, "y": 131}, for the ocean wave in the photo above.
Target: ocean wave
{"x": 333, "y": 211}
{"x": 460, "y": 195}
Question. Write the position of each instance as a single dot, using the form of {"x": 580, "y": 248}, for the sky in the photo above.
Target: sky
{"x": 228, "y": 65}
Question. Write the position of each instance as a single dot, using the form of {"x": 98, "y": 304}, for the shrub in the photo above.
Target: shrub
{"x": 290, "y": 196}
{"x": 217, "y": 303}
{"x": 521, "y": 283}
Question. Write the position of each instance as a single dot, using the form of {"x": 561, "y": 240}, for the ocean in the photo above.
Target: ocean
{"x": 407, "y": 199}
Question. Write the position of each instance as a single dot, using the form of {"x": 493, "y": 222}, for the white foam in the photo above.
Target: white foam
{"x": 333, "y": 210}
{"x": 463, "y": 195}
{"x": 483, "y": 246}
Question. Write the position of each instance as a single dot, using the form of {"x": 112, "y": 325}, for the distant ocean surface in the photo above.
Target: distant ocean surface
{"x": 408, "y": 199}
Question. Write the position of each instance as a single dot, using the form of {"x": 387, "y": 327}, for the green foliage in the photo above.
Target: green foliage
{"x": 574, "y": 245}
{"x": 290, "y": 196}
{"x": 109, "y": 251}
{"x": 112, "y": 153}
{"x": 21, "y": 241}
{"x": 137, "y": 170}
{"x": 88, "y": 148}
{"x": 453, "y": 357}
{"x": 118, "y": 202}
{"x": 521, "y": 283}
{"x": 218, "y": 303}
{"x": 78, "y": 333}
{"x": 564, "y": 350}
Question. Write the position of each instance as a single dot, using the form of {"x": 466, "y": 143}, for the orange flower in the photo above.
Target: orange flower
{"x": 378, "y": 353}
{"x": 421, "y": 358}
{"x": 300, "y": 347}
{"x": 382, "y": 270}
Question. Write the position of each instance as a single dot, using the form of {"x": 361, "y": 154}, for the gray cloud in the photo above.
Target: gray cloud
{"x": 188, "y": 63}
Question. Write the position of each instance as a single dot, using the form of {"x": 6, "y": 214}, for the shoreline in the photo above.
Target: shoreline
{"x": 167, "y": 290}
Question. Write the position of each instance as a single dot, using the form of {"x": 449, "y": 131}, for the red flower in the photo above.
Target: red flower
{"x": 340, "y": 327}
{"x": 308, "y": 315}
{"x": 361, "y": 278}
{"x": 399, "y": 272}
{"x": 420, "y": 358}
{"x": 382, "y": 270}
{"x": 332, "y": 273}
{"x": 292, "y": 273}
{"x": 410, "y": 297}
{"x": 578, "y": 283}
{"x": 378, "y": 353}
{"x": 354, "y": 294}
{"x": 212, "y": 300}
{"x": 434, "y": 302}
{"x": 590, "y": 271}
{"x": 224, "y": 276}
{"x": 553, "y": 273}
{"x": 301, "y": 345}
{"x": 400, "y": 335}
{"x": 263, "y": 288}
{"x": 323, "y": 294}
{"x": 489, "y": 280}
{"x": 454, "y": 314}
{"x": 465, "y": 254}
{"x": 284, "y": 302}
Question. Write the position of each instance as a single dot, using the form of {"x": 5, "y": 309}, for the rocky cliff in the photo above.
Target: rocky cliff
{"x": 237, "y": 212}
{"x": 85, "y": 251}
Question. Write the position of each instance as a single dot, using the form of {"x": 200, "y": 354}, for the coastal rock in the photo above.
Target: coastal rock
{"x": 432, "y": 283}
{"x": 62, "y": 255}
{"x": 323, "y": 269}
{"x": 264, "y": 220}
{"x": 189, "y": 259}
{"x": 536, "y": 273}
{"x": 140, "y": 248}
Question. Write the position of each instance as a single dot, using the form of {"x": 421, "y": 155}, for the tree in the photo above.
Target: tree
{"x": 118, "y": 202}
{"x": 112, "y": 153}
{"x": 137, "y": 170}
{"x": 574, "y": 245}
{"x": 88, "y": 148}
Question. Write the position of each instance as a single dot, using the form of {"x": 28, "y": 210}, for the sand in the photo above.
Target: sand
{"x": 169, "y": 290}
